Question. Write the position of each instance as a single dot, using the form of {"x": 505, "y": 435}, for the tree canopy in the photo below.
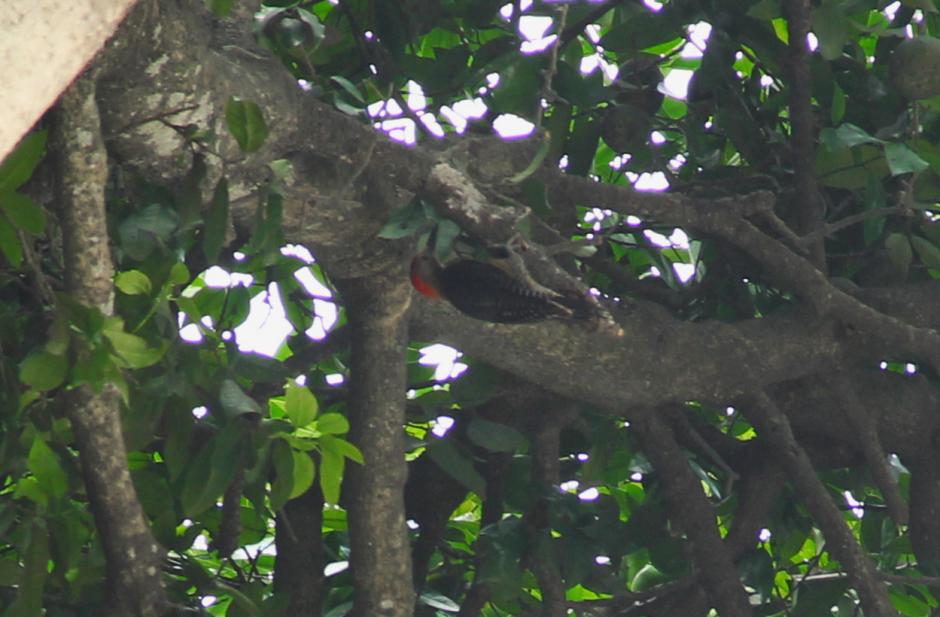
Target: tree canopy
{"x": 746, "y": 190}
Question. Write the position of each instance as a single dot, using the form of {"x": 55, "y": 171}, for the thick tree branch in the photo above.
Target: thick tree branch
{"x": 720, "y": 218}
{"x": 773, "y": 426}
{"x": 341, "y": 233}
{"x": 546, "y": 440}
{"x": 925, "y": 509}
{"x": 376, "y": 307}
{"x": 865, "y": 429}
{"x": 133, "y": 556}
{"x": 497, "y": 464}
{"x": 689, "y": 508}
{"x": 760, "y": 488}
{"x": 298, "y": 567}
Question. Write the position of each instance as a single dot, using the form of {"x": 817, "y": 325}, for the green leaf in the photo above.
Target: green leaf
{"x": 340, "y": 446}
{"x": 832, "y": 28}
{"x": 438, "y": 601}
{"x": 179, "y": 274}
{"x": 23, "y": 212}
{"x": 447, "y": 232}
{"x": 143, "y": 231}
{"x": 220, "y": 8}
{"x": 837, "y": 110}
{"x": 582, "y": 145}
{"x": 535, "y": 196}
{"x": 899, "y": 251}
{"x": 214, "y": 468}
{"x": 846, "y": 136}
{"x": 404, "y": 222}
{"x": 477, "y": 386}
{"x": 349, "y": 88}
{"x": 45, "y": 465}
{"x": 302, "y": 473}
{"x": 315, "y": 26}
{"x": 10, "y": 244}
{"x": 519, "y": 87}
{"x": 301, "y": 405}
{"x": 818, "y": 597}
{"x": 237, "y": 307}
{"x": 35, "y": 551}
{"x": 132, "y": 349}
{"x": 29, "y": 488}
{"x": 346, "y": 108}
{"x": 216, "y": 222}
{"x": 648, "y": 577}
{"x": 757, "y": 571}
{"x": 903, "y": 160}
{"x": 18, "y": 167}
{"x": 246, "y": 124}
{"x": 333, "y": 424}
{"x": 282, "y": 457}
{"x": 10, "y": 572}
{"x": 494, "y": 436}
{"x": 331, "y": 475}
{"x": 907, "y": 604}
{"x": 929, "y": 254}
{"x": 640, "y": 30}
{"x": 456, "y": 464}
{"x": 43, "y": 370}
{"x": 850, "y": 168}
{"x": 133, "y": 283}
{"x": 235, "y": 402}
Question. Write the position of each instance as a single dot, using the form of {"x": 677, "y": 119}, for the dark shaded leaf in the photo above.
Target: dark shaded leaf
{"x": 928, "y": 253}
{"x": 216, "y": 222}
{"x": 903, "y": 160}
{"x": 456, "y": 464}
{"x": 10, "y": 244}
{"x": 45, "y": 465}
{"x": 18, "y": 166}
{"x": 235, "y": 402}
{"x": 404, "y": 222}
{"x": 246, "y": 124}
{"x": 23, "y": 212}
{"x": 43, "y": 370}
{"x": 495, "y": 436}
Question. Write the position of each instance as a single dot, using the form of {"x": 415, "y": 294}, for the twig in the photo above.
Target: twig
{"x": 897, "y": 579}
{"x": 43, "y": 287}
{"x": 809, "y": 204}
{"x": 546, "y": 439}
{"x": 773, "y": 426}
{"x": 689, "y": 508}
{"x": 548, "y": 75}
{"x": 160, "y": 116}
{"x": 868, "y": 215}
{"x": 570, "y": 32}
{"x": 865, "y": 429}
{"x": 776, "y": 223}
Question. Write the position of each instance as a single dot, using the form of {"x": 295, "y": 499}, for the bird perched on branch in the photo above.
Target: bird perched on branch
{"x": 491, "y": 293}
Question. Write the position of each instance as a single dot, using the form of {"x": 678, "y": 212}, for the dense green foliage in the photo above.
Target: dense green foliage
{"x": 261, "y": 436}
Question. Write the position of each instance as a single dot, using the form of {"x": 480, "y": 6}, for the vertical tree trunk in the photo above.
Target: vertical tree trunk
{"x": 376, "y": 306}
{"x": 133, "y": 556}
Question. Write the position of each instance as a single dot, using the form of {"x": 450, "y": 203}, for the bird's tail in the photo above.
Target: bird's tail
{"x": 578, "y": 306}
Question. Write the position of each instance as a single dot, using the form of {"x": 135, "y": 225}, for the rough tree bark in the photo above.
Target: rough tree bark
{"x": 134, "y": 559}
{"x": 374, "y": 494}
{"x": 783, "y": 353}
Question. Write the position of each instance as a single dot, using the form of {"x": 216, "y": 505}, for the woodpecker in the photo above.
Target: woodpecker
{"x": 489, "y": 293}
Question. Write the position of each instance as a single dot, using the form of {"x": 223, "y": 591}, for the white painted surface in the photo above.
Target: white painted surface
{"x": 44, "y": 45}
